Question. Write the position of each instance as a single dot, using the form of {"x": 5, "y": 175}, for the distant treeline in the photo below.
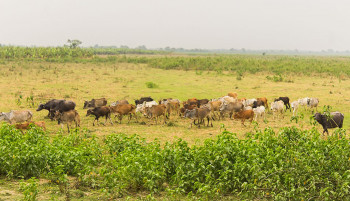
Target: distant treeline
{"x": 239, "y": 63}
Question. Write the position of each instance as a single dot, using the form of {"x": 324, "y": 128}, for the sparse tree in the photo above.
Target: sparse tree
{"x": 73, "y": 43}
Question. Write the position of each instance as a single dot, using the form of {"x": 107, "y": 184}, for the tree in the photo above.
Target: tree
{"x": 73, "y": 43}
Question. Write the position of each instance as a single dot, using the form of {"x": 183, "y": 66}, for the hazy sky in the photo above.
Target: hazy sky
{"x": 250, "y": 24}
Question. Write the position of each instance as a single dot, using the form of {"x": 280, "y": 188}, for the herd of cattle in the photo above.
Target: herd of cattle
{"x": 198, "y": 110}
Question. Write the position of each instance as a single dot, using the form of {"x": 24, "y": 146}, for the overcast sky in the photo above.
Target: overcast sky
{"x": 250, "y": 24}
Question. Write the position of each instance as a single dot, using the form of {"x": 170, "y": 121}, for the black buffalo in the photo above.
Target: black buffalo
{"x": 285, "y": 101}
{"x": 62, "y": 106}
{"x": 143, "y": 99}
{"x": 335, "y": 120}
{"x": 49, "y": 106}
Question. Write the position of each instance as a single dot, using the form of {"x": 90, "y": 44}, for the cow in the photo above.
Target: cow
{"x": 295, "y": 107}
{"x": 155, "y": 112}
{"x": 119, "y": 102}
{"x": 16, "y": 116}
{"x": 49, "y": 106}
{"x": 334, "y": 120}
{"x": 26, "y": 125}
{"x": 264, "y": 100}
{"x": 143, "y": 99}
{"x": 312, "y": 103}
{"x": 191, "y": 101}
{"x": 303, "y": 102}
{"x": 172, "y": 107}
{"x": 230, "y": 108}
{"x": 202, "y": 102}
{"x": 285, "y": 102}
{"x": 249, "y": 102}
{"x": 199, "y": 114}
{"x": 165, "y": 101}
{"x": 141, "y": 107}
{"x": 243, "y": 115}
{"x": 248, "y": 108}
{"x": 67, "y": 117}
{"x": 95, "y": 103}
{"x": 232, "y": 94}
{"x": 103, "y": 111}
{"x": 215, "y": 107}
{"x": 62, "y": 106}
{"x": 227, "y": 99}
{"x": 258, "y": 103}
{"x": 126, "y": 109}
{"x": 259, "y": 112}
{"x": 277, "y": 107}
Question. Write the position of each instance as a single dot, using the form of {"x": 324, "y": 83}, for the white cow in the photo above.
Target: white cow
{"x": 313, "y": 103}
{"x": 277, "y": 107}
{"x": 248, "y": 108}
{"x": 227, "y": 100}
{"x": 303, "y": 102}
{"x": 259, "y": 112}
{"x": 295, "y": 106}
{"x": 16, "y": 116}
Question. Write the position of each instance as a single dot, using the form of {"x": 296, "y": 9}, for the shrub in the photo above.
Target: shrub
{"x": 151, "y": 85}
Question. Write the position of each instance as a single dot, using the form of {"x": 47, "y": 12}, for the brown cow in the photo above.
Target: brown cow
{"x": 126, "y": 109}
{"x": 243, "y": 115}
{"x": 192, "y": 101}
{"x": 67, "y": 118}
{"x": 232, "y": 94}
{"x": 264, "y": 100}
{"x": 95, "y": 103}
{"x": 215, "y": 107}
{"x": 25, "y": 126}
{"x": 199, "y": 114}
{"x": 103, "y": 111}
{"x": 172, "y": 107}
{"x": 155, "y": 111}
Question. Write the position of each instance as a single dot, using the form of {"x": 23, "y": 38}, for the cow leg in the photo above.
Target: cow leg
{"x": 120, "y": 119}
{"x": 110, "y": 120}
{"x": 68, "y": 126}
{"x": 136, "y": 117}
{"x": 243, "y": 122}
{"x": 231, "y": 115}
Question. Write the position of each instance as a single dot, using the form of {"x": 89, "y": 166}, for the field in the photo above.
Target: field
{"x": 27, "y": 83}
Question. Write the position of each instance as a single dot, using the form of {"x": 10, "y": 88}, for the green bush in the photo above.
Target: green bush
{"x": 291, "y": 164}
{"x": 151, "y": 85}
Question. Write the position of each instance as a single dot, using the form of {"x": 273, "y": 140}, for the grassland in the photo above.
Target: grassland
{"x": 125, "y": 77}
{"x": 79, "y": 82}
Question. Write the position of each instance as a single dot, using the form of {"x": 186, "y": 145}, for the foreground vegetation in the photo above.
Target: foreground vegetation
{"x": 290, "y": 164}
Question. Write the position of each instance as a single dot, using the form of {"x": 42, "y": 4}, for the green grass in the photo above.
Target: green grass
{"x": 114, "y": 81}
